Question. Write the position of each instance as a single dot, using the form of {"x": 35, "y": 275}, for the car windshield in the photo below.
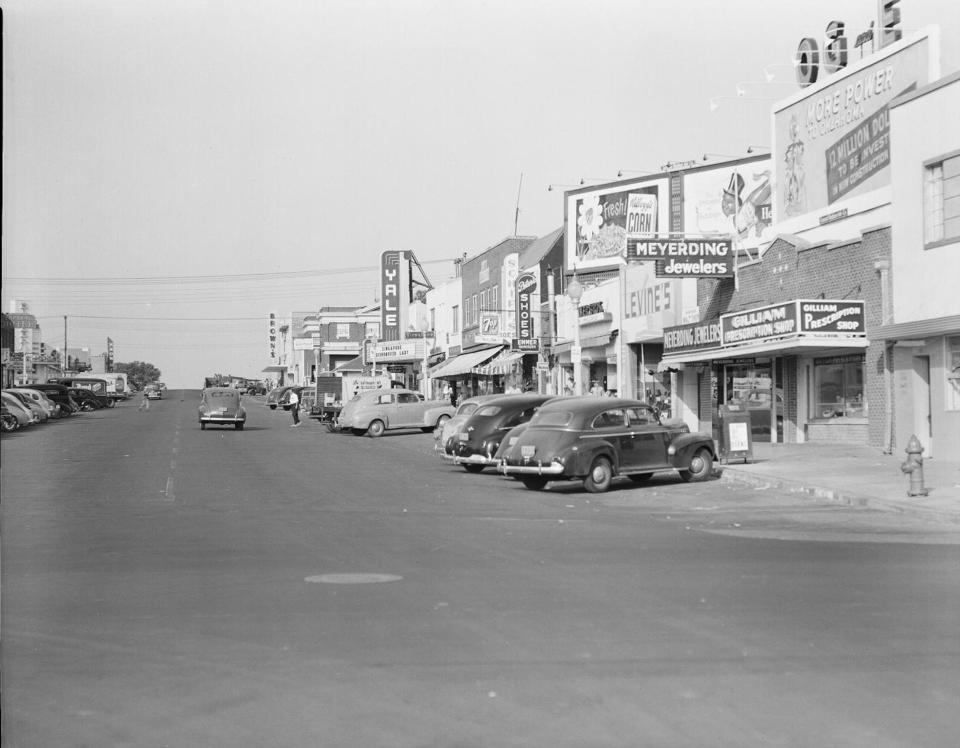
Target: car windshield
{"x": 552, "y": 418}
{"x": 488, "y": 410}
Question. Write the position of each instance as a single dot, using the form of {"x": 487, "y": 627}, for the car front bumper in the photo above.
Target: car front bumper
{"x": 474, "y": 459}
{"x": 222, "y": 419}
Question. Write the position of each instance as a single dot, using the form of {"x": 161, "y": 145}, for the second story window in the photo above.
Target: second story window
{"x": 941, "y": 200}
{"x": 456, "y": 319}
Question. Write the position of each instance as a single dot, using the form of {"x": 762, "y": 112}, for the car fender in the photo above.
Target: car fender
{"x": 587, "y": 452}
{"x": 685, "y": 445}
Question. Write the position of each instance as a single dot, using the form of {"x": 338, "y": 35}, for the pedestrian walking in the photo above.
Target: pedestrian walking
{"x": 144, "y": 401}
{"x": 295, "y": 408}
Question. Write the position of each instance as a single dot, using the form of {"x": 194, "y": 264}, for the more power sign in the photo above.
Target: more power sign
{"x": 684, "y": 258}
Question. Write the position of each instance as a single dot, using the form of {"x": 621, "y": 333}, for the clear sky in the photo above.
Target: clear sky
{"x": 174, "y": 170}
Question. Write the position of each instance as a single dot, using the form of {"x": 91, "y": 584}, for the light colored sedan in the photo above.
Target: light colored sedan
{"x": 221, "y": 406}
{"x": 51, "y": 408}
{"x": 21, "y": 412}
{"x": 376, "y": 411}
{"x": 34, "y": 407}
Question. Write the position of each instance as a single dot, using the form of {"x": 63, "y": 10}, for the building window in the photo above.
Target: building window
{"x": 372, "y": 330}
{"x": 941, "y": 200}
{"x": 493, "y": 299}
{"x": 343, "y": 330}
{"x": 953, "y": 372}
{"x": 474, "y": 316}
{"x": 838, "y": 387}
{"x": 456, "y": 319}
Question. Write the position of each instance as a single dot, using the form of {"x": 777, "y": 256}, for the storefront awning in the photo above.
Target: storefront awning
{"x": 925, "y": 328}
{"x": 354, "y": 364}
{"x": 464, "y": 363}
{"x": 788, "y": 347}
{"x": 502, "y": 364}
{"x": 593, "y": 341}
{"x": 274, "y": 369}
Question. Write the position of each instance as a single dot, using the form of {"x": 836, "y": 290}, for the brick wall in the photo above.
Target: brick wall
{"x": 793, "y": 269}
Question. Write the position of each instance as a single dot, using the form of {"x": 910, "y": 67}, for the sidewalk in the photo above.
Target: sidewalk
{"x": 852, "y": 474}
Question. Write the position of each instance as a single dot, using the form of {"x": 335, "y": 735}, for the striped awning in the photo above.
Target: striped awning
{"x": 502, "y": 364}
{"x": 464, "y": 363}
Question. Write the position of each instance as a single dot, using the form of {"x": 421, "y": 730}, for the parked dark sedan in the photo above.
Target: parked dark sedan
{"x": 86, "y": 399}
{"x": 478, "y": 438}
{"x": 596, "y": 439}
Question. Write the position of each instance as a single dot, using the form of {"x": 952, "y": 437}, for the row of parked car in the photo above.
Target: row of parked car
{"x": 538, "y": 438}
{"x": 38, "y": 403}
{"x": 541, "y": 438}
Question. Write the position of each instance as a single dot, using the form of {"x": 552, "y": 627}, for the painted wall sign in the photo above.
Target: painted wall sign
{"x": 650, "y": 304}
{"x": 526, "y": 288}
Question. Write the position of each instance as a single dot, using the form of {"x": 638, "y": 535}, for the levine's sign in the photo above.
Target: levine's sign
{"x": 685, "y": 258}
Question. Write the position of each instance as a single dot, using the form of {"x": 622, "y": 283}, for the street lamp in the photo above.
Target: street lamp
{"x": 424, "y": 325}
{"x": 575, "y": 292}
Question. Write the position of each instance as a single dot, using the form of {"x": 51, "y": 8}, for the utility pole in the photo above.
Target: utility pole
{"x": 65, "y": 362}
{"x": 516, "y": 213}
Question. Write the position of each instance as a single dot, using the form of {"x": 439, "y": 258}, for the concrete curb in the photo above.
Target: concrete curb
{"x": 849, "y": 498}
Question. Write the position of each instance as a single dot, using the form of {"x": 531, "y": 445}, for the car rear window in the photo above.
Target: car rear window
{"x": 552, "y": 418}
{"x": 488, "y": 410}
{"x": 467, "y": 408}
{"x": 221, "y": 394}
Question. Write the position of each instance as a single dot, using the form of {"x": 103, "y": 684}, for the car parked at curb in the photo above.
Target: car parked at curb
{"x": 478, "y": 438}
{"x": 464, "y": 410}
{"x": 24, "y": 415}
{"x": 376, "y": 411}
{"x": 60, "y": 395}
{"x": 221, "y": 406}
{"x": 86, "y": 399}
{"x": 596, "y": 439}
{"x": 39, "y": 411}
{"x": 49, "y": 407}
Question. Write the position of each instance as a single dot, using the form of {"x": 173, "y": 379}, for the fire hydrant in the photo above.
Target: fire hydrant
{"x": 913, "y": 467}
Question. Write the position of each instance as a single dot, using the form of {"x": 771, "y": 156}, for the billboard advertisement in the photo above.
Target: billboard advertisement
{"x": 833, "y": 143}
{"x": 597, "y": 222}
{"x": 734, "y": 200}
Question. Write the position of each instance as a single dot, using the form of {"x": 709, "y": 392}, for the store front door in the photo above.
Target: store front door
{"x": 752, "y": 385}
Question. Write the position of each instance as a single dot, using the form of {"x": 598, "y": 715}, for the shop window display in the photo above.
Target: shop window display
{"x": 838, "y": 388}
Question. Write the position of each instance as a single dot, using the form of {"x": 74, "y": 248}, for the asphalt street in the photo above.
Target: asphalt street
{"x": 167, "y": 586}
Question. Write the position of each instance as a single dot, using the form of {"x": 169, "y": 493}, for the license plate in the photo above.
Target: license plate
{"x": 463, "y": 437}
{"x": 527, "y": 450}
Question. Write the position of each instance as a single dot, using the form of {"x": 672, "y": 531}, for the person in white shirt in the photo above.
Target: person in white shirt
{"x": 295, "y": 408}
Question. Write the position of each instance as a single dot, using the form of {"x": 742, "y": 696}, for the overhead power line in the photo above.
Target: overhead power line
{"x": 207, "y": 278}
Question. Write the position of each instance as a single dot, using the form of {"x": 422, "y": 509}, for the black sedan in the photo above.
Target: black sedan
{"x": 595, "y": 439}
{"x": 86, "y": 399}
{"x": 478, "y": 438}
